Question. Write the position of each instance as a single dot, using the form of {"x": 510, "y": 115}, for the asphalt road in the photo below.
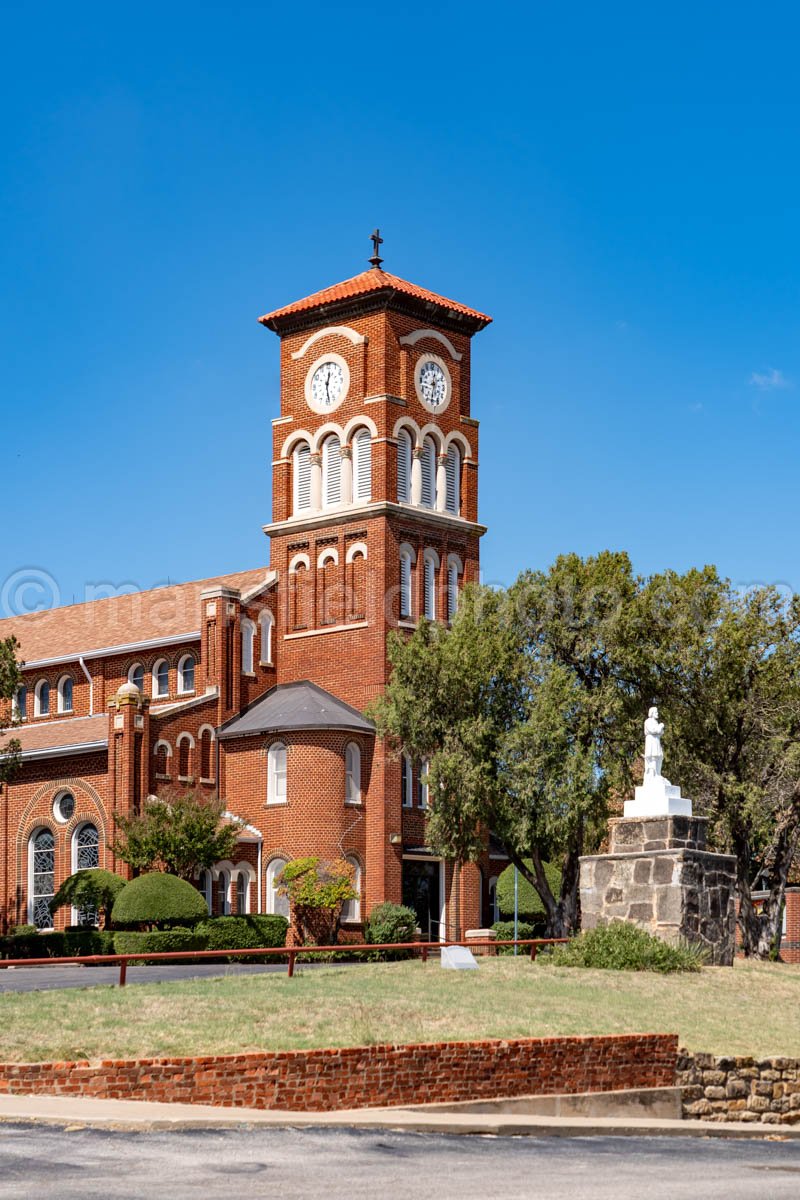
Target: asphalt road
{"x": 42, "y": 1161}
{"x": 34, "y": 979}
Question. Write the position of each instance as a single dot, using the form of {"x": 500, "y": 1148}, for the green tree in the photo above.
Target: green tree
{"x": 317, "y": 891}
{"x": 10, "y": 681}
{"x": 526, "y": 712}
{"x": 91, "y": 889}
{"x": 180, "y": 833}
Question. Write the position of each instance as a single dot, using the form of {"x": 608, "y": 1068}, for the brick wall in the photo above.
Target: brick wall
{"x": 361, "y": 1077}
{"x": 740, "y": 1089}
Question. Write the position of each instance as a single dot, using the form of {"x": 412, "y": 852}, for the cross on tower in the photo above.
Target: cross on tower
{"x": 377, "y": 241}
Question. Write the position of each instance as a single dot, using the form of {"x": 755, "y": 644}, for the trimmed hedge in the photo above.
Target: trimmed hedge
{"x": 505, "y": 932}
{"x": 623, "y": 947}
{"x": 158, "y": 941}
{"x": 391, "y": 923}
{"x": 245, "y": 933}
{"x": 27, "y": 942}
{"x": 158, "y": 899}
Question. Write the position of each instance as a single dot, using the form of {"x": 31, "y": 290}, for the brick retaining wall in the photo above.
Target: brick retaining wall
{"x": 740, "y": 1089}
{"x": 323, "y": 1080}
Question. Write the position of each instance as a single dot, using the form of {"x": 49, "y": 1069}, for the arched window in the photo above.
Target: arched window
{"x": 453, "y": 470}
{"x": 206, "y": 741}
{"x": 327, "y": 589}
{"x": 406, "y": 782}
{"x": 223, "y": 894}
{"x": 136, "y": 676}
{"x": 242, "y": 893}
{"x": 162, "y": 752}
{"x": 404, "y": 449}
{"x": 351, "y": 909}
{"x": 428, "y": 472}
{"x": 494, "y": 908}
{"x": 205, "y": 884}
{"x": 302, "y": 477}
{"x": 423, "y": 783}
{"x": 85, "y": 857}
{"x": 362, "y": 466}
{"x": 186, "y": 673}
{"x": 300, "y": 597}
{"x": 161, "y": 678}
{"x": 41, "y": 699}
{"x": 41, "y": 878}
{"x": 248, "y": 642}
{"x": 429, "y": 581}
{"x": 185, "y": 745}
{"x": 267, "y": 622}
{"x": 65, "y": 694}
{"x": 275, "y": 902}
{"x": 357, "y": 585}
{"x": 276, "y": 774}
{"x": 331, "y": 471}
{"x": 20, "y": 704}
{"x": 454, "y": 570}
{"x": 352, "y": 769}
{"x": 405, "y": 583}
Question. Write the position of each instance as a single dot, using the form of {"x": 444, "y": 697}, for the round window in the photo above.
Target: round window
{"x": 64, "y": 807}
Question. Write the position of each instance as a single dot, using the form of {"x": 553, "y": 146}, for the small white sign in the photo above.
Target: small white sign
{"x": 458, "y": 958}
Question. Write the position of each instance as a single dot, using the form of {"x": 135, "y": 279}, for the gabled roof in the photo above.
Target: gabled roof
{"x": 159, "y": 614}
{"x": 291, "y": 706}
{"x": 69, "y": 736}
{"x": 381, "y": 286}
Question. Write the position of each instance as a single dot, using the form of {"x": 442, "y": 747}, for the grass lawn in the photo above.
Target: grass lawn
{"x": 751, "y": 1009}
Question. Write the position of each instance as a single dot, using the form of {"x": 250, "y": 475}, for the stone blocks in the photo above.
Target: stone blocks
{"x": 660, "y": 876}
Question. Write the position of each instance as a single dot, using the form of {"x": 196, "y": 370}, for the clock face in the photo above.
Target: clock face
{"x": 327, "y": 384}
{"x": 432, "y": 384}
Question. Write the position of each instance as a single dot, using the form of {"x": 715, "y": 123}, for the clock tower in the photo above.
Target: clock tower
{"x": 375, "y": 524}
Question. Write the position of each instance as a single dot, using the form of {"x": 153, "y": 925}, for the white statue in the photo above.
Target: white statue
{"x": 656, "y": 797}
{"x": 653, "y": 754}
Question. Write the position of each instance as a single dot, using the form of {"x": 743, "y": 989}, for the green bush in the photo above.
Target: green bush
{"x": 530, "y": 905}
{"x": 245, "y": 933}
{"x": 90, "y": 888}
{"x": 158, "y": 899}
{"x": 158, "y": 941}
{"x": 29, "y": 943}
{"x": 391, "y": 923}
{"x": 505, "y": 933}
{"x": 623, "y": 947}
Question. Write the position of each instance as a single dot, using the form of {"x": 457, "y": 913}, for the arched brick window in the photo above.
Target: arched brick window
{"x": 207, "y": 764}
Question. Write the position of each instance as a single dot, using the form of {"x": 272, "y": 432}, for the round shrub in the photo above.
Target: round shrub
{"x": 158, "y": 899}
{"x": 505, "y": 933}
{"x": 623, "y": 947}
{"x": 391, "y": 923}
{"x": 158, "y": 941}
{"x": 530, "y": 904}
{"x": 90, "y": 888}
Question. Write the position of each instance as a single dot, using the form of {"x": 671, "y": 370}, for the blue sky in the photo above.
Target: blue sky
{"x": 617, "y": 185}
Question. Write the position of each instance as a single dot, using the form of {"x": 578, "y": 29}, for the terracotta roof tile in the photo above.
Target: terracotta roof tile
{"x": 374, "y": 280}
{"x": 49, "y": 735}
{"x": 134, "y": 617}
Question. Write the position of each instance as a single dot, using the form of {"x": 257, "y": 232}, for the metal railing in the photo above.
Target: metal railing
{"x": 290, "y": 953}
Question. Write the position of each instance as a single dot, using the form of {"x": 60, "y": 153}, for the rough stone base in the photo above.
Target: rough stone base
{"x": 660, "y": 877}
{"x": 740, "y": 1089}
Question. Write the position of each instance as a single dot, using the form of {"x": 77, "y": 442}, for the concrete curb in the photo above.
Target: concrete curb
{"x": 77, "y": 1113}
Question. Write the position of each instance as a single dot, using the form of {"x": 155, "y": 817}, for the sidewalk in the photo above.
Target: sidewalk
{"x": 130, "y": 1114}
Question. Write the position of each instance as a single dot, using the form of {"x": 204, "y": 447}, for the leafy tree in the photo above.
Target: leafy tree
{"x": 92, "y": 888}
{"x": 527, "y": 713}
{"x": 180, "y": 833}
{"x": 529, "y": 901}
{"x": 316, "y": 891}
{"x": 10, "y": 680}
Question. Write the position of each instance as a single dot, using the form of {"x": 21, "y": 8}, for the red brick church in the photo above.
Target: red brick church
{"x": 254, "y": 685}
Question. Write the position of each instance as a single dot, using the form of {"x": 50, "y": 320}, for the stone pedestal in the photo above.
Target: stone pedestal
{"x": 659, "y": 875}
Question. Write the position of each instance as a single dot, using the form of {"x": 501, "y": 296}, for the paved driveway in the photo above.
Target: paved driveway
{"x": 34, "y": 979}
{"x": 41, "y": 1161}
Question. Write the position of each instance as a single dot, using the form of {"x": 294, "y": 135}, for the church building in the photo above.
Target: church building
{"x": 253, "y": 686}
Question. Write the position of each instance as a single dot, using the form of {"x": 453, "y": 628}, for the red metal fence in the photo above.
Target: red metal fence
{"x": 291, "y": 953}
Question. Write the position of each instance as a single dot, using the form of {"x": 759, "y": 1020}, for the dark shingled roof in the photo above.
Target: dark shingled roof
{"x": 300, "y": 705}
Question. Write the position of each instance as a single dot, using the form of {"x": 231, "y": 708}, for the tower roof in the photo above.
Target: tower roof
{"x": 375, "y": 289}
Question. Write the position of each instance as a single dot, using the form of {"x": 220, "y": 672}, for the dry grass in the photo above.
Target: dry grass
{"x": 752, "y": 1009}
